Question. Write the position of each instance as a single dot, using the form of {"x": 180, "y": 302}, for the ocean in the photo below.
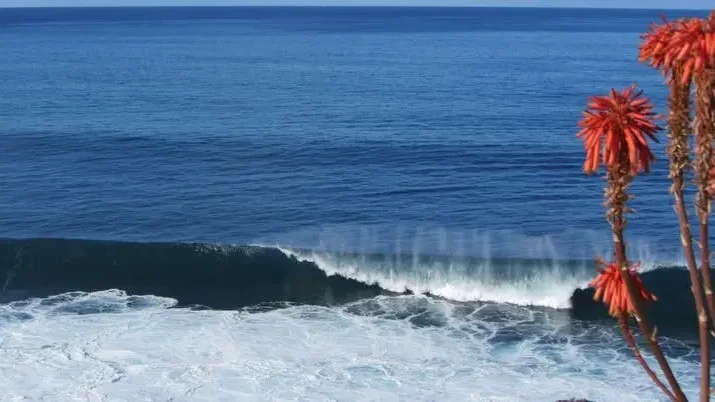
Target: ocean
{"x": 320, "y": 204}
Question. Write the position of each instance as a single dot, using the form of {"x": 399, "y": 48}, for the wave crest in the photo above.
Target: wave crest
{"x": 525, "y": 282}
{"x": 231, "y": 277}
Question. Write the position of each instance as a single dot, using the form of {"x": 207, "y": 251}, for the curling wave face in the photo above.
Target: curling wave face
{"x": 230, "y": 277}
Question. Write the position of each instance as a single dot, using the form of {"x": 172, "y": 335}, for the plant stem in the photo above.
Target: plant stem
{"x": 679, "y": 153}
{"x": 619, "y": 178}
{"x": 705, "y": 131}
{"x": 697, "y": 290}
{"x": 623, "y": 322}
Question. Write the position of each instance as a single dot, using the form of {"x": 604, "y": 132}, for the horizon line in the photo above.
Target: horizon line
{"x": 351, "y": 6}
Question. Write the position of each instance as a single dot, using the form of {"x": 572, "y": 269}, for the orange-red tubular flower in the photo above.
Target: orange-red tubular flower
{"x": 611, "y": 288}
{"x": 619, "y": 122}
{"x": 655, "y": 45}
{"x": 692, "y": 43}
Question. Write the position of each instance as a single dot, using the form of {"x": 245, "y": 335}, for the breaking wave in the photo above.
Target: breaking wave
{"x": 228, "y": 277}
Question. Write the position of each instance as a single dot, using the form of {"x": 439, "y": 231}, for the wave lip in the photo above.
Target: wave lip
{"x": 234, "y": 277}
{"x": 521, "y": 282}
{"x": 555, "y": 284}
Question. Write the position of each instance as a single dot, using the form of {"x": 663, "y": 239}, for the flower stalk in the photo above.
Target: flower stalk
{"x": 704, "y": 134}
{"x": 630, "y": 341}
{"x": 619, "y": 177}
{"x": 679, "y": 155}
{"x": 615, "y": 130}
{"x": 684, "y": 51}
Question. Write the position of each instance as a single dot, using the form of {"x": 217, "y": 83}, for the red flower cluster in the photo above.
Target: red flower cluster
{"x": 623, "y": 120}
{"x": 655, "y": 44}
{"x": 689, "y": 42}
{"x": 611, "y": 288}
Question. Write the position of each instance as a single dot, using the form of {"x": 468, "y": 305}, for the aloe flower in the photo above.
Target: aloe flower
{"x": 617, "y": 123}
{"x": 612, "y": 290}
{"x": 615, "y": 130}
{"x": 656, "y": 44}
{"x": 693, "y": 44}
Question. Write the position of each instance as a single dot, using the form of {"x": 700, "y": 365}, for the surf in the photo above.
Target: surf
{"x": 224, "y": 276}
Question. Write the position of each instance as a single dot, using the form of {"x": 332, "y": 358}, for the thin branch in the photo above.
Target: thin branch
{"x": 625, "y": 329}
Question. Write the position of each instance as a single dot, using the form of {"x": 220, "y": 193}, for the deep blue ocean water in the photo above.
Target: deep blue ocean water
{"x": 236, "y": 125}
{"x": 429, "y": 149}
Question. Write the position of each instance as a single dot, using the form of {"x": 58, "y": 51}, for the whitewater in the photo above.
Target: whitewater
{"x": 542, "y": 283}
{"x": 320, "y": 204}
{"x": 110, "y": 346}
{"x": 325, "y": 326}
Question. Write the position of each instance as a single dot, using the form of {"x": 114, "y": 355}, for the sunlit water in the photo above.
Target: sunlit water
{"x": 421, "y": 150}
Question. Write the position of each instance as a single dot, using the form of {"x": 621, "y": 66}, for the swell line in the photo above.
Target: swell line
{"x": 222, "y": 276}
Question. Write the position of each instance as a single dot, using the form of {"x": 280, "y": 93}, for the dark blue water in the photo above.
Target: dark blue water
{"x": 433, "y": 129}
{"x": 167, "y": 151}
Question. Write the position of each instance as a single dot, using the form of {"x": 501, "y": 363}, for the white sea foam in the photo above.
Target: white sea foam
{"x": 145, "y": 351}
{"x": 548, "y": 285}
{"x": 547, "y": 279}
